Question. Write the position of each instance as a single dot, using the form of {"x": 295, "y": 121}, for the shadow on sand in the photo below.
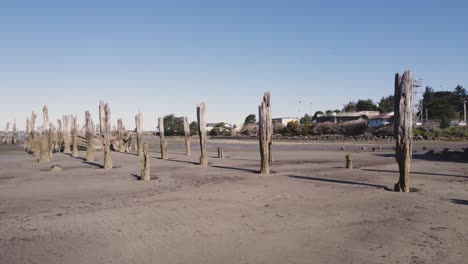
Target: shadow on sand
{"x": 234, "y": 168}
{"x": 341, "y": 182}
{"x": 422, "y": 173}
{"x": 459, "y": 201}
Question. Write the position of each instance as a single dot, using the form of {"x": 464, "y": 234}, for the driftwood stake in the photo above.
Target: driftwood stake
{"x": 107, "y": 138}
{"x": 53, "y": 139}
{"x": 162, "y": 139}
{"x": 26, "y": 135}
{"x": 349, "y": 162}
{"x": 15, "y": 137}
{"x": 5, "y": 133}
{"x": 120, "y": 135}
{"x": 89, "y": 137}
{"x": 145, "y": 164}
{"x": 67, "y": 138}
{"x": 45, "y": 136}
{"x": 265, "y": 131}
{"x": 187, "y": 136}
{"x": 139, "y": 134}
{"x": 202, "y": 133}
{"x": 59, "y": 135}
{"x": 220, "y": 153}
{"x": 74, "y": 134}
{"x": 403, "y": 125}
{"x": 32, "y": 124}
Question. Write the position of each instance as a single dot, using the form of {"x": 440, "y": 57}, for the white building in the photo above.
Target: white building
{"x": 284, "y": 120}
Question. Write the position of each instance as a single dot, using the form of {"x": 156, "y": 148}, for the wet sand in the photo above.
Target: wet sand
{"x": 310, "y": 210}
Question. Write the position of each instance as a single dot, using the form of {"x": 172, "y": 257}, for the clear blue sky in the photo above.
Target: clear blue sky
{"x": 164, "y": 57}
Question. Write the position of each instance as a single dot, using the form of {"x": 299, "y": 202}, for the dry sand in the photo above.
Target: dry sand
{"x": 311, "y": 210}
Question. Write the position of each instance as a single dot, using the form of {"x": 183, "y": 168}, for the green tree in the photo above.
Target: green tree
{"x": 193, "y": 128}
{"x": 250, "y": 119}
{"x": 173, "y": 126}
{"x": 387, "y": 104}
{"x": 350, "y": 107}
{"x": 329, "y": 112}
{"x": 221, "y": 129}
{"x": 366, "y": 105}
{"x": 292, "y": 127}
{"x": 314, "y": 118}
{"x": 306, "y": 120}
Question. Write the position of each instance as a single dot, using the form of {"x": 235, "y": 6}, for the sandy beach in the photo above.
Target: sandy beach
{"x": 309, "y": 210}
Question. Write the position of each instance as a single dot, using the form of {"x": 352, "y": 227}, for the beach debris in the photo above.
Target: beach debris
{"x": 220, "y": 153}
{"x": 56, "y": 168}
{"x": 349, "y": 162}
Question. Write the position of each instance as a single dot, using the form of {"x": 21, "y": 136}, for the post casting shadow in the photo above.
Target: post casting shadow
{"x": 137, "y": 177}
{"x": 234, "y": 168}
{"x": 93, "y": 164}
{"x": 459, "y": 201}
{"x": 341, "y": 181}
{"x": 422, "y": 173}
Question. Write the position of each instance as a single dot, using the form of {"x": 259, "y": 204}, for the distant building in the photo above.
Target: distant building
{"x": 347, "y": 116}
{"x": 284, "y": 120}
{"x": 380, "y": 120}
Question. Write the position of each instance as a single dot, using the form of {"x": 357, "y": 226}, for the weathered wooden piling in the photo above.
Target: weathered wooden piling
{"x": 45, "y": 136}
{"x": 403, "y": 126}
{"x": 53, "y": 143}
{"x": 26, "y": 135}
{"x": 32, "y": 124}
{"x": 139, "y": 134}
{"x": 59, "y": 135}
{"x": 187, "y": 136}
{"x": 5, "y": 133}
{"x": 145, "y": 164}
{"x": 202, "y": 133}
{"x": 163, "y": 141}
{"x": 74, "y": 134}
{"x": 66, "y": 132}
{"x": 107, "y": 137}
{"x": 89, "y": 137}
{"x": 120, "y": 135}
{"x": 15, "y": 137}
{"x": 265, "y": 133}
{"x": 220, "y": 153}
{"x": 349, "y": 162}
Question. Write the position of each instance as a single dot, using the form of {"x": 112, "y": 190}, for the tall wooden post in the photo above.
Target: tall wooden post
{"x": 202, "y": 133}
{"x": 102, "y": 125}
{"x": 53, "y": 139}
{"x": 265, "y": 133}
{"x": 74, "y": 133}
{"x": 89, "y": 137}
{"x": 107, "y": 137}
{"x": 26, "y": 135}
{"x": 145, "y": 164}
{"x": 32, "y": 127}
{"x": 120, "y": 135}
{"x": 67, "y": 138}
{"x": 45, "y": 143}
{"x": 5, "y": 133}
{"x": 403, "y": 125}
{"x": 187, "y": 136}
{"x": 15, "y": 138}
{"x": 59, "y": 135}
{"x": 139, "y": 134}
{"x": 162, "y": 138}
